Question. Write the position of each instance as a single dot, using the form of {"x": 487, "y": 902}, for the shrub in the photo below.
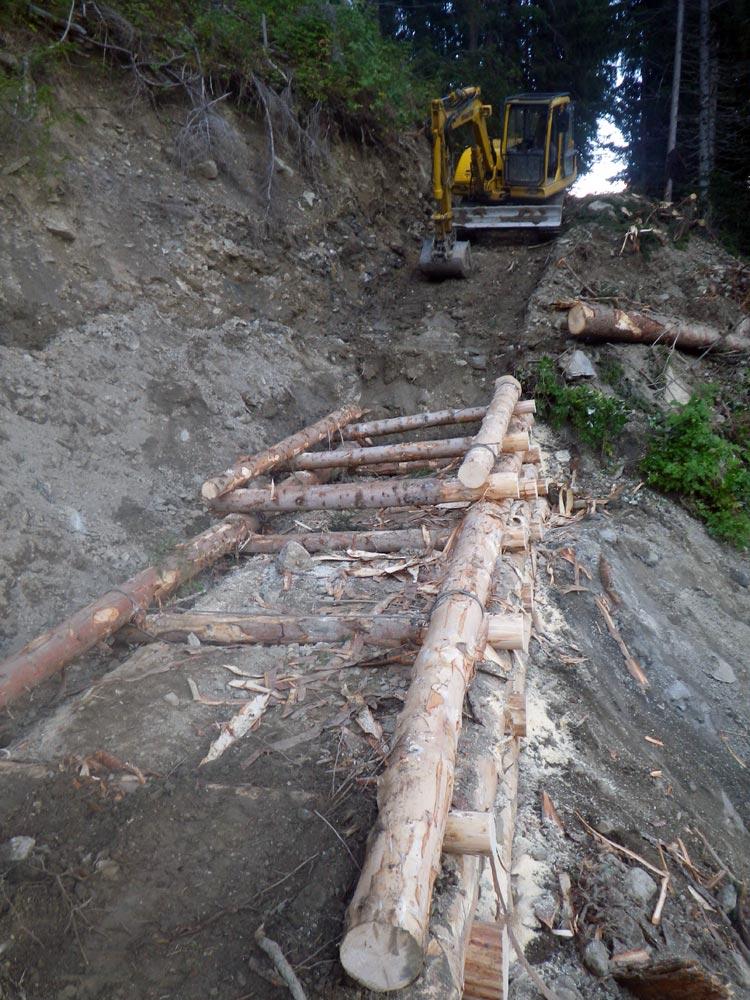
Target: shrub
{"x": 598, "y": 419}
{"x": 687, "y": 455}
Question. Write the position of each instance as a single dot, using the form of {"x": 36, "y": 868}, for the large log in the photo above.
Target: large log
{"x": 387, "y": 920}
{"x": 406, "y": 493}
{"x": 506, "y": 631}
{"x": 417, "y": 421}
{"x": 54, "y": 649}
{"x": 594, "y": 321}
{"x": 247, "y": 468}
{"x": 487, "y": 445}
{"x": 397, "y": 540}
{"x": 411, "y": 451}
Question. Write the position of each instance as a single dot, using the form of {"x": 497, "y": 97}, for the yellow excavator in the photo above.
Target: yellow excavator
{"x": 517, "y": 182}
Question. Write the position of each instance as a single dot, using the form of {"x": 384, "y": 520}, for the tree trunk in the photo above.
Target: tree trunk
{"x": 676, "y": 73}
{"x": 487, "y": 445}
{"x": 593, "y": 321}
{"x": 438, "y": 418}
{"x": 50, "y": 652}
{"x": 483, "y": 971}
{"x": 374, "y": 495}
{"x": 412, "y": 451}
{"x": 704, "y": 101}
{"x": 505, "y": 631}
{"x": 251, "y": 466}
{"x": 371, "y": 541}
{"x": 387, "y": 920}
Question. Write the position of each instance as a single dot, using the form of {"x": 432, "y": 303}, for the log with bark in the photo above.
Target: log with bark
{"x": 407, "y": 493}
{"x": 504, "y": 631}
{"x": 387, "y": 920}
{"x": 487, "y": 445}
{"x": 53, "y": 650}
{"x": 595, "y": 321}
{"x": 417, "y": 421}
{"x": 672, "y": 979}
{"x": 397, "y": 540}
{"x": 247, "y": 468}
{"x": 517, "y": 439}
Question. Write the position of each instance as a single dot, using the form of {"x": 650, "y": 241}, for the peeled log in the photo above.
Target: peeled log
{"x": 411, "y": 451}
{"x": 248, "y": 468}
{"x": 468, "y": 832}
{"x": 372, "y": 541}
{"x": 406, "y": 493}
{"x": 54, "y": 649}
{"x": 483, "y": 971}
{"x": 506, "y": 631}
{"x": 416, "y": 421}
{"x": 387, "y": 920}
{"x": 593, "y": 321}
{"x": 487, "y": 444}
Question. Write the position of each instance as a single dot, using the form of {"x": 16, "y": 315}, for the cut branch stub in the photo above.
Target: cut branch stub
{"x": 248, "y": 468}
{"x": 387, "y": 920}
{"x": 487, "y": 444}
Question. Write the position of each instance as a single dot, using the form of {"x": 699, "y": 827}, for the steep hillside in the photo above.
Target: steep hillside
{"x": 156, "y": 322}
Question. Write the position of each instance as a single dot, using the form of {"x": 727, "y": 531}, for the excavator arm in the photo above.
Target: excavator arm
{"x": 442, "y": 255}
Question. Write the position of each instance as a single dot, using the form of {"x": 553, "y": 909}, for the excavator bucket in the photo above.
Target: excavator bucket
{"x": 455, "y": 265}
{"x": 545, "y": 215}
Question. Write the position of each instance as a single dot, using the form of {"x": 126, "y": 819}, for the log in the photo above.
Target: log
{"x": 469, "y": 832}
{"x": 54, "y": 649}
{"x": 672, "y": 979}
{"x": 416, "y": 421}
{"x": 247, "y": 468}
{"x": 594, "y": 321}
{"x": 387, "y": 920}
{"x": 406, "y": 493}
{"x": 483, "y": 970}
{"x": 410, "y": 451}
{"x": 486, "y": 447}
{"x": 506, "y": 631}
{"x": 396, "y": 540}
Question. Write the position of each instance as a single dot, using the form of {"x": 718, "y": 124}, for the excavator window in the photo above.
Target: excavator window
{"x": 525, "y": 144}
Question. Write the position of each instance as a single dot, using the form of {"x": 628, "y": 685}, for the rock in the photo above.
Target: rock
{"x": 17, "y": 849}
{"x": 599, "y": 207}
{"x": 679, "y": 693}
{"x": 282, "y": 166}
{"x": 478, "y": 362}
{"x": 562, "y": 457}
{"x": 207, "y": 169}
{"x": 565, "y": 988}
{"x": 645, "y": 552}
{"x": 675, "y": 391}
{"x": 727, "y": 897}
{"x": 59, "y": 227}
{"x": 596, "y": 958}
{"x": 309, "y": 198}
{"x": 609, "y": 535}
{"x": 172, "y": 699}
{"x": 640, "y": 885}
{"x": 720, "y": 670}
{"x": 577, "y": 365}
{"x": 739, "y": 576}
{"x": 294, "y": 558}
{"x": 108, "y": 869}
{"x": 15, "y": 166}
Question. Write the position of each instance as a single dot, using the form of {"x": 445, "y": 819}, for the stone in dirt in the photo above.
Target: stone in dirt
{"x": 640, "y": 885}
{"x": 295, "y": 558}
{"x": 596, "y": 958}
{"x": 578, "y": 365}
{"x": 720, "y": 670}
{"x": 207, "y": 169}
{"x": 59, "y": 227}
{"x": 17, "y": 849}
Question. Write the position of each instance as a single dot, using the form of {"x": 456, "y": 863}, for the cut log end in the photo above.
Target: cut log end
{"x": 381, "y": 957}
{"x": 209, "y": 490}
{"x": 577, "y": 320}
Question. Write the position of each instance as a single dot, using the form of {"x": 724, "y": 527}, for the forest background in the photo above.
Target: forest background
{"x": 368, "y": 68}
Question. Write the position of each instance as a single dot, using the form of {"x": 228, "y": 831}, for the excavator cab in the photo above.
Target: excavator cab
{"x": 517, "y": 181}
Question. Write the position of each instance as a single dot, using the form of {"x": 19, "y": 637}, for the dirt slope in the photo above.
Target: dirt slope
{"x": 150, "y": 332}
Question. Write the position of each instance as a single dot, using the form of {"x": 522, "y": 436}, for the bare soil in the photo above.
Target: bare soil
{"x": 155, "y": 324}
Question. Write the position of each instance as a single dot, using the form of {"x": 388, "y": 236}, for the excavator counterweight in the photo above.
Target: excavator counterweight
{"x": 515, "y": 182}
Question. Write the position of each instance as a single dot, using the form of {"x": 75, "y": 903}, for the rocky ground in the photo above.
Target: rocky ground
{"x": 155, "y": 323}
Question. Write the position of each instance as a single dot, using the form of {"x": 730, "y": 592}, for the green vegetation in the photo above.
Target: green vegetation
{"x": 598, "y": 419}
{"x": 690, "y": 454}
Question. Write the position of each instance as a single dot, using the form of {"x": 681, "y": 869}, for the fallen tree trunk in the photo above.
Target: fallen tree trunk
{"x": 411, "y": 451}
{"x": 245, "y": 469}
{"x": 594, "y": 321}
{"x": 416, "y": 421}
{"x": 486, "y": 446}
{"x": 506, "y": 631}
{"x": 387, "y": 920}
{"x": 406, "y": 493}
{"x": 53, "y": 650}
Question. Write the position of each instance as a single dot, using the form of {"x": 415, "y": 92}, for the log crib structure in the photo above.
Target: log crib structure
{"x": 479, "y": 505}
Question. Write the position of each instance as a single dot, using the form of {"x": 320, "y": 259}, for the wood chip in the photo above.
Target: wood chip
{"x": 248, "y": 716}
